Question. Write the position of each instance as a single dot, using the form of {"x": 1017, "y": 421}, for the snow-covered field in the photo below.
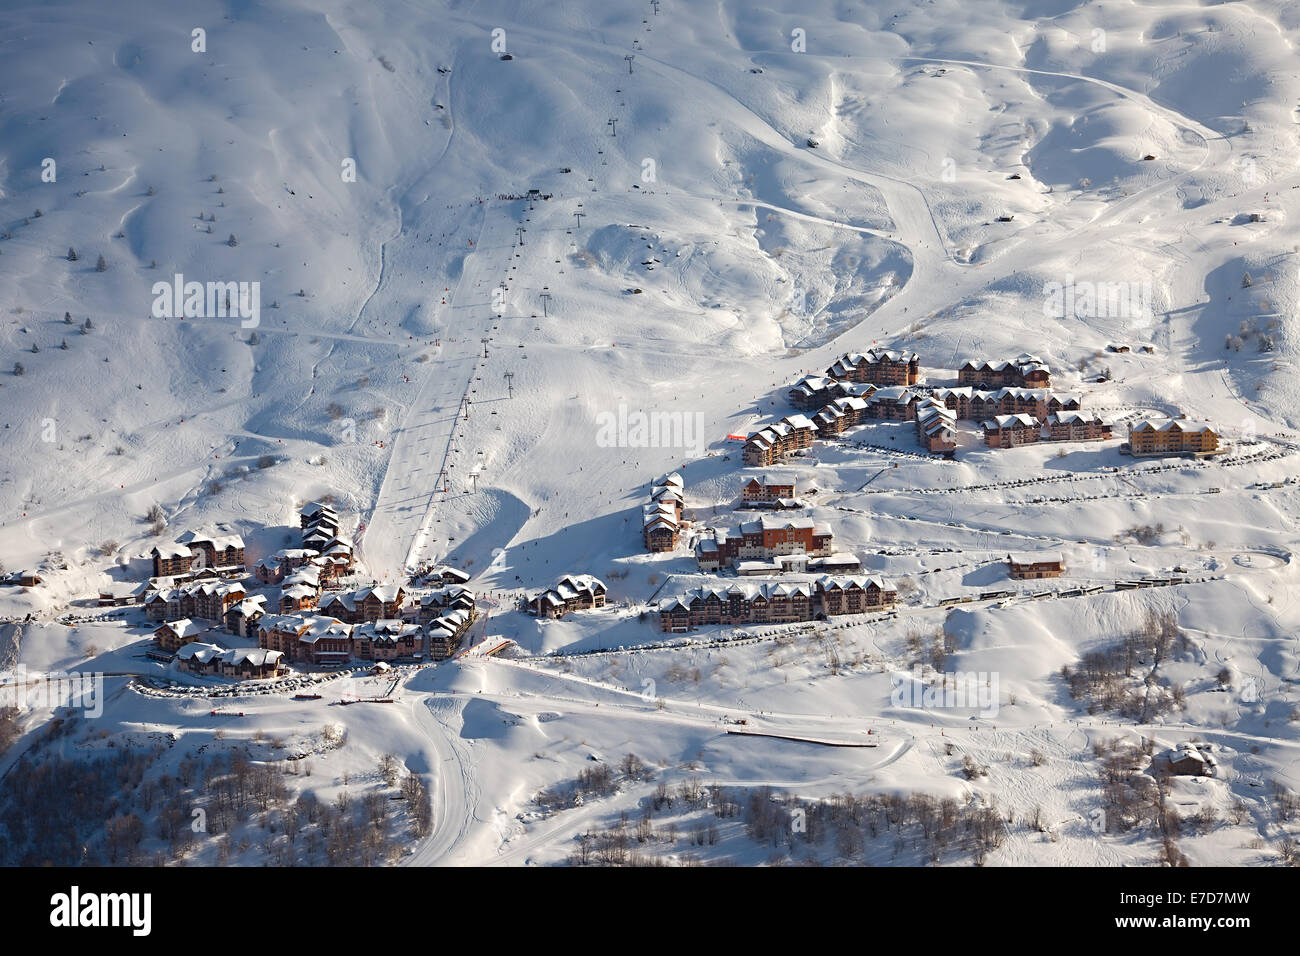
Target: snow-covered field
{"x": 688, "y": 253}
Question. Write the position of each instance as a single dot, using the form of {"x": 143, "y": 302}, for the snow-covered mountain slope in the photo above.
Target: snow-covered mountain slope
{"x": 689, "y": 251}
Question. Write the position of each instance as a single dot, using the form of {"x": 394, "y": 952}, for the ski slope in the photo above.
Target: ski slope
{"x": 687, "y": 252}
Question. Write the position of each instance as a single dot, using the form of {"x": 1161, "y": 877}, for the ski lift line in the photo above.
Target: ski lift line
{"x": 462, "y": 410}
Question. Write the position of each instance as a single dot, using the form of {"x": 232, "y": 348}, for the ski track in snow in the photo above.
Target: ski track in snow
{"x": 417, "y": 478}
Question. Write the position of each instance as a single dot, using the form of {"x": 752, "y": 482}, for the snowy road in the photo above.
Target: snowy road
{"x": 454, "y": 791}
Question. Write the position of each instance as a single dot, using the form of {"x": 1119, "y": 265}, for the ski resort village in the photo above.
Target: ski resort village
{"x": 650, "y": 434}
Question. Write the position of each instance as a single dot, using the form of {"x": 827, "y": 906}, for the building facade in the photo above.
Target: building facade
{"x": 1024, "y": 371}
{"x": 775, "y": 603}
{"x": 764, "y": 538}
{"x": 573, "y": 592}
{"x": 776, "y": 442}
{"x": 1173, "y": 437}
{"x": 1009, "y": 431}
{"x": 878, "y": 367}
{"x": 1034, "y": 565}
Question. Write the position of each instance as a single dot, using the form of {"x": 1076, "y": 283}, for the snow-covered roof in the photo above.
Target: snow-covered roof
{"x": 1015, "y": 391}
{"x": 172, "y": 551}
{"x": 900, "y": 394}
{"x": 1075, "y": 418}
{"x": 307, "y": 574}
{"x": 308, "y": 627}
{"x": 890, "y": 355}
{"x": 387, "y": 593}
{"x": 295, "y": 554}
{"x": 318, "y": 627}
{"x": 961, "y": 391}
{"x": 829, "y": 583}
{"x": 583, "y": 582}
{"x": 705, "y": 545}
{"x": 384, "y": 593}
{"x": 931, "y": 408}
{"x": 811, "y": 384}
{"x": 568, "y": 588}
{"x": 447, "y": 571}
{"x": 254, "y": 656}
{"x": 199, "y": 652}
{"x": 440, "y": 597}
{"x": 344, "y": 599}
{"x": 840, "y": 559}
{"x": 250, "y": 607}
{"x": 384, "y": 631}
{"x": 765, "y": 591}
{"x": 451, "y": 621}
{"x": 1020, "y": 361}
{"x": 1036, "y": 557}
{"x": 1173, "y": 424}
{"x": 1010, "y": 421}
{"x": 220, "y": 542}
{"x": 182, "y": 628}
{"x": 1185, "y": 752}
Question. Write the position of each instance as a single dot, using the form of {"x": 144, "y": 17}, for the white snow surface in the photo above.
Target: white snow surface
{"x": 758, "y": 259}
